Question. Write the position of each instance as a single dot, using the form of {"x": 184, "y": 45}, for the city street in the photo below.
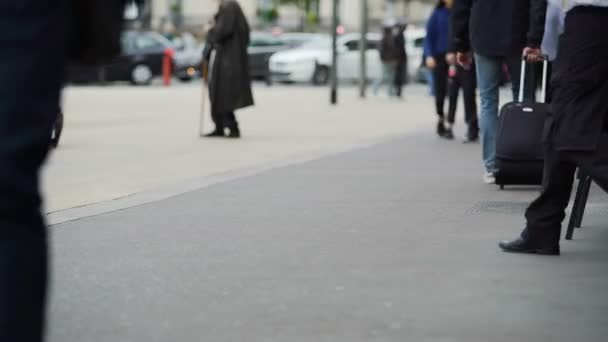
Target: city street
{"x": 327, "y": 224}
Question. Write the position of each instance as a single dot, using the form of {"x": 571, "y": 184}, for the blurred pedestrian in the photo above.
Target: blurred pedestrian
{"x": 554, "y": 26}
{"x": 388, "y": 57}
{"x": 436, "y": 48}
{"x": 36, "y": 36}
{"x": 577, "y": 131}
{"x": 229, "y": 79}
{"x": 497, "y": 31}
{"x": 401, "y": 76}
{"x": 462, "y": 78}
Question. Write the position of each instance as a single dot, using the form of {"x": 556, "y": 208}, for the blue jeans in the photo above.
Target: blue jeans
{"x": 489, "y": 76}
{"x": 387, "y": 79}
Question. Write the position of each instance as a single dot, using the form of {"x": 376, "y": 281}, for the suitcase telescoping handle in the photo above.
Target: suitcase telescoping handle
{"x": 522, "y": 77}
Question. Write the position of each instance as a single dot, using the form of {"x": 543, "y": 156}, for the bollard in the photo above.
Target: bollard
{"x": 167, "y": 66}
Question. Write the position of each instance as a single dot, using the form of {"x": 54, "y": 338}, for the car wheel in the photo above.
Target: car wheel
{"x": 321, "y": 75}
{"x": 141, "y": 74}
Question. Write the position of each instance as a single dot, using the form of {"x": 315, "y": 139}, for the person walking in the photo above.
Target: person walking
{"x": 497, "y": 32}
{"x": 229, "y": 79}
{"x": 401, "y": 76}
{"x": 388, "y": 56}
{"x": 462, "y": 78}
{"x": 38, "y": 37}
{"x": 436, "y": 48}
{"x": 577, "y": 131}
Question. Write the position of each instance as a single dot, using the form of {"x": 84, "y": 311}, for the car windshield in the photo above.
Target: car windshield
{"x": 318, "y": 43}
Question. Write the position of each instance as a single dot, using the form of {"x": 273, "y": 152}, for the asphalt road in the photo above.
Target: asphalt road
{"x": 390, "y": 242}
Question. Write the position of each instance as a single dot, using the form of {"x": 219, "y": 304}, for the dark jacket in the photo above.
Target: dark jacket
{"x": 230, "y": 86}
{"x": 437, "y": 32}
{"x": 498, "y": 28}
{"x": 388, "y": 51}
{"x": 399, "y": 41}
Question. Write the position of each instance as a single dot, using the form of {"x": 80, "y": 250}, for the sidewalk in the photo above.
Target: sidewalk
{"x": 120, "y": 141}
{"x": 391, "y": 242}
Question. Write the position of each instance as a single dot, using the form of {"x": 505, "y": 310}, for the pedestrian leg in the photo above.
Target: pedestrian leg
{"x": 489, "y": 71}
{"x": 468, "y": 81}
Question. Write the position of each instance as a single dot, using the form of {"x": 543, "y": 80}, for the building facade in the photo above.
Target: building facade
{"x": 198, "y": 12}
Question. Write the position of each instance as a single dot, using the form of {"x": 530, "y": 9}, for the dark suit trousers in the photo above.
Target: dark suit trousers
{"x": 545, "y": 215}
{"x": 34, "y": 36}
{"x": 225, "y": 120}
{"x": 466, "y": 80}
{"x": 440, "y": 81}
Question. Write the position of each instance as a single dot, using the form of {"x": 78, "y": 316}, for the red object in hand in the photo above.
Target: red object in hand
{"x": 452, "y": 71}
{"x": 167, "y": 66}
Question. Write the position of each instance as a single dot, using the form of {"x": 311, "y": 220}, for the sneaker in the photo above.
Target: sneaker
{"x": 489, "y": 178}
{"x": 470, "y": 140}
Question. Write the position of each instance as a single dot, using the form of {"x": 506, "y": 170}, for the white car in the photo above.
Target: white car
{"x": 312, "y": 61}
{"x": 414, "y": 45}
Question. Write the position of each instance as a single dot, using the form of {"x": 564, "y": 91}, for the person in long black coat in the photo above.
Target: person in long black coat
{"x": 576, "y": 135}
{"x": 229, "y": 79}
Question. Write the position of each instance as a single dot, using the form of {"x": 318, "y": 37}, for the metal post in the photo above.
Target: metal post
{"x": 334, "y": 56}
{"x": 363, "y": 49}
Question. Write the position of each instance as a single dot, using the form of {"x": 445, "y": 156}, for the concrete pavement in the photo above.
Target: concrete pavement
{"x": 390, "y": 242}
{"x": 121, "y": 141}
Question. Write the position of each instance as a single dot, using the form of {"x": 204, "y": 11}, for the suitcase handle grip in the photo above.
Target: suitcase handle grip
{"x": 522, "y": 78}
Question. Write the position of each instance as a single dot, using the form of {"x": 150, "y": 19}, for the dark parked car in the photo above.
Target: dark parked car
{"x": 141, "y": 60}
{"x": 261, "y": 47}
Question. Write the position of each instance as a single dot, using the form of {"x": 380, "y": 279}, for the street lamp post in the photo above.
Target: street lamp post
{"x": 363, "y": 49}
{"x": 334, "y": 55}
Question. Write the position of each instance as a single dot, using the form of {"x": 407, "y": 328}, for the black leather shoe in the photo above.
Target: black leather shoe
{"x": 448, "y": 134}
{"x": 234, "y": 134}
{"x": 215, "y": 134}
{"x": 520, "y": 245}
{"x": 440, "y": 128}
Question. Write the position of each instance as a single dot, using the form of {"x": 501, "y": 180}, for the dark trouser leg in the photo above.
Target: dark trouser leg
{"x": 549, "y": 93}
{"x": 440, "y": 80}
{"x": 399, "y": 78}
{"x": 453, "y": 90}
{"x": 546, "y": 213}
{"x": 468, "y": 81}
{"x": 31, "y": 72}
{"x": 218, "y": 120}
{"x": 230, "y": 122}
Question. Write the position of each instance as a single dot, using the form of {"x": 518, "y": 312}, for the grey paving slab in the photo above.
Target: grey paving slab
{"x": 395, "y": 242}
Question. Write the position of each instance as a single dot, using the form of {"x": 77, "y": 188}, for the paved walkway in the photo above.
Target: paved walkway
{"x": 120, "y": 141}
{"x": 391, "y": 242}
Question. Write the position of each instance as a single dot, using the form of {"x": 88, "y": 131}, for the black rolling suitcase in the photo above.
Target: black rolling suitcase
{"x": 519, "y": 143}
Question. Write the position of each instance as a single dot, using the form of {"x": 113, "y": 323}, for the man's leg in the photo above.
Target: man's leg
{"x": 440, "y": 81}
{"x": 31, "y": 72}
{"x": 545, "y": 215}
{"x": 232, "y": 124}
{"x": 488, "y": 78}
{"x": 453, "y": 90}
{"x": 467, "y": 79}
